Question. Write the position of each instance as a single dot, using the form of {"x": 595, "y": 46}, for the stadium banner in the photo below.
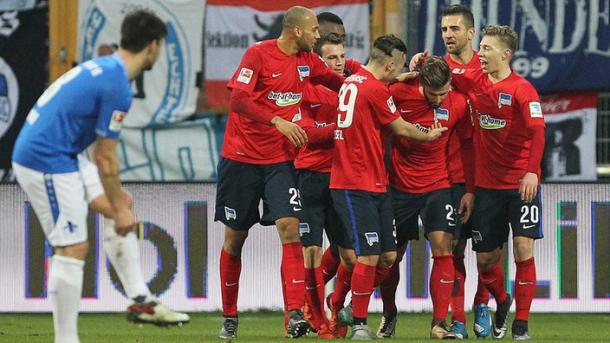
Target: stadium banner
{"x": 562, "y": 45}
{"x": 185, "y": 151}
{"x": 167, "y": 93}
{"x": 232, "y": 26}
{"x": 23, "y": 76}
{"x": 571, "y": 126}
{"x": 180, "y": 246}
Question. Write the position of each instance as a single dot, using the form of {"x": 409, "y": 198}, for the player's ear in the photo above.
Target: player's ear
{"x": 470, "y": 33}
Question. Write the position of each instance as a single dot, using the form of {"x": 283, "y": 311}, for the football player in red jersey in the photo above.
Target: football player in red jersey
{"x": 259, "y": 146}
{"x": 509, "y": 143}
{"x": 358, "y": 178}
{"x": 457, "y": 26}
{"x": 319, "y": 116}
{"x": 421, "y": 187}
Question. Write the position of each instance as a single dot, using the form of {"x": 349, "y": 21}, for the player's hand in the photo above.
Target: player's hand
{"x": 296, "y": 135}
{"x": 407, "y": 76}
{"x": 125, "y": 221}
{"x": 436, "y": 130}
{"x": 466, "y": 207}
{"x": 528, "y": 187}
{"x": 417, "y": 60}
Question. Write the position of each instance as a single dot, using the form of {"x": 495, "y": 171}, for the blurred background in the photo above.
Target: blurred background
{"x": 170, "y": 144}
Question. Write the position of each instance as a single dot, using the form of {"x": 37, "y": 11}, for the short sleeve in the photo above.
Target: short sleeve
{"x": 529, "y": 105}
{"x": 113, "y": 108}
{"x": 246, "y": 75}
{"x": 383, "y": 105}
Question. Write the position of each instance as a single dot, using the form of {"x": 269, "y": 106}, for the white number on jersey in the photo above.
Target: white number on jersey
{"x": 347, "y": 100}
{"x": 56, "y": 86}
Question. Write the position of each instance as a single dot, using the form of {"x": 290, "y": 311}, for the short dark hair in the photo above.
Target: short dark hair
{"x": 434, "y": 72}
{"x": 139, "y": 28}
{"x": 331, "y": 38}
{"x": 384, "y": 45}
{"x": 505, "y": 33}
{"x": 328, "y": 17}
{"x": 459, "y": 9}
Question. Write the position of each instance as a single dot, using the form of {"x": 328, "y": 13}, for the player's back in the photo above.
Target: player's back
{"x": 66, "y": 119}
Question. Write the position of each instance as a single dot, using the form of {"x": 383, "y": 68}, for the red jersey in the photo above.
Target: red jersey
{"x": 454, "y": 158}
{"x": 351, "y": 66}
{"x": 275, "y": 81}
{"x": 421, "y": 167}
{"x": 504, "y": 112}
{"x": 319, "y": 109}
{"x": 365, "y": 107}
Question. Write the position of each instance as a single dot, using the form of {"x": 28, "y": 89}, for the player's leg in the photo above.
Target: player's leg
{"x": 56, "y": 199}
{"x": 330, "y": 262}
{"x": 282, "y": 206}
{"x": 124, "y": 254}
{"x": 490, "y": 221}
{"x": 238, "y": 194}
{"x": 527, "y": 227}
{"x": 461, "y": 234}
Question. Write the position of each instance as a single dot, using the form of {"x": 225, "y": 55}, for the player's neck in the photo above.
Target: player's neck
{"x": 464, "y": 57}
{"x": 375, "y": 69}
{"x": 287, "y": 45}
{"x": 132, "y": 63}
{"x": 502, "y": 73}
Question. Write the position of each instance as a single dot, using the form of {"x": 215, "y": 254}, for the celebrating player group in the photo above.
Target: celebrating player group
{"x": 361, "y": 152}
{"x": 308, "y": 136}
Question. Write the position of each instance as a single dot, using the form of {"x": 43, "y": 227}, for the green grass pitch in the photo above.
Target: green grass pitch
{"x": 267, "y": 327}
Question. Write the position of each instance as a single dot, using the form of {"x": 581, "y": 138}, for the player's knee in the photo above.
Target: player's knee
{"x": 387, "y": 258}
{"x": 77, "y": 251}
{"x": 312, "y": 251}
{"x": 349, "y": 260}
{"x": 486, "y": 260}
{"x": 522, "y": 250}
{"x": 234, "y": 241}
{"x": 288, "y": 229}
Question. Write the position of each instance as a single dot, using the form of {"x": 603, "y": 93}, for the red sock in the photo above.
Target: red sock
{"x": 457, "y": 296}
{"x": 441, "y": 283}
{"x": 315, "y": 298}
{"x": 294, "y": 275}
{"x": 482, "y": 295}
{"x": 230, "y": 269}
{"x": 363, "y": 279}
{"x": 329, "y": 265}
{"x": 388, "y": 289}
{"x": 344, "y": 284}
{"x": 285, "y": 305}
{"x": 494, "y": 281}
{"x": 525, "y": 287}
{"x": 380, "y": 274}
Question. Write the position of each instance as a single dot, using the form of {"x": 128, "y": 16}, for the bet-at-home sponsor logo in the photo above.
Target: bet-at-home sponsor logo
{"x": 490, "y": 123}
{"x": 285, "y": 99}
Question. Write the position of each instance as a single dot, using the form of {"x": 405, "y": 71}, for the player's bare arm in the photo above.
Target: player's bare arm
{"x": 107, "y": 163}
{"x": 405, "y": 129}
{"x": 295, "y": 133}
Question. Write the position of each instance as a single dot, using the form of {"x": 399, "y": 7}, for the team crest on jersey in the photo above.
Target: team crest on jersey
{"x": 505, "y": 99}
{"x": 371, "y": 238}
{"x": 391, "y": 104}
{"x": 303, "y": 228}
{"x": 303, "y": 72}
{"x": 535, "y": 110}
{"x": 117, "y": 121}
{"x": 441, "y": 114}
{"x": 490, "y": 123}
{"x": 245, "y": 75}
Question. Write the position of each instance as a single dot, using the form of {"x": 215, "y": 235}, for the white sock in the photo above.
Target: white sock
{"x": 65, "y": 288}
{"x": 124, "y": 255}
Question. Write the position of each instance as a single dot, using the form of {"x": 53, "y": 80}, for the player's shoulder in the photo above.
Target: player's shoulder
{"x": 521, "y": 84}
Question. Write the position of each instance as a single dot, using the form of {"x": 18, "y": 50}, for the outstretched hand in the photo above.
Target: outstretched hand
{"x": 417, "y": 60}
{"x": 436, "y": 130}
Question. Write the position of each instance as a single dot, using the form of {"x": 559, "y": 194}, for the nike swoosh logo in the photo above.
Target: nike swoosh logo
{"x": 296, "y": 209}
{"x": 230, "y": 284}
{"x": 314, "y": 105}
{"x": 297, "y": 281}
{"x": 314, "y": 287}
{"x": 529, "y": 226}
{"x": 446, "y": 281}
{"x": 405, "y": 111}
{"x": 361, "y": 293}
{"x": 525, "y": 282}
{"x": 276, "y": 75}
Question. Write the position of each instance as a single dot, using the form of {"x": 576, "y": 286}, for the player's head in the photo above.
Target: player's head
{"x": 302, "y": 25}
{"x": 497, "y": 47}
{"x": 330, "y": 48}
{"x": 142, "y": 32}
{"x": 457, "y": 26}
{"x": 331, "y": 23}
{"x": 435, "y": 80}
{"x": 389, "y": 53}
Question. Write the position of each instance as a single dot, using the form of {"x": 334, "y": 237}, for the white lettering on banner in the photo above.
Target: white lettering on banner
{"x": 261, "y": 265}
